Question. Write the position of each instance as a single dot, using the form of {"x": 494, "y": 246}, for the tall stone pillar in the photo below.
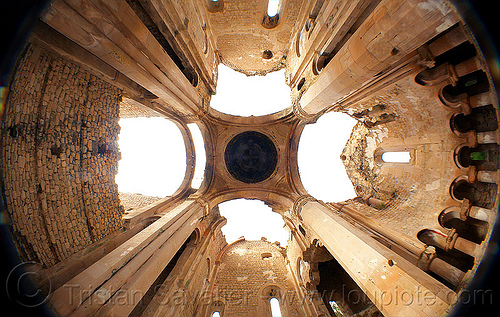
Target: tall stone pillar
{"x": 113, "y": 285}
{"x": 393, "y": 284}
{"x": 384, "y": 40}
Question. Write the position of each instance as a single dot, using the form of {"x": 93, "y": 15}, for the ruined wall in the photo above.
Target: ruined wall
{"x": 364, "y": 167}
{"x": 413, "y": 193}
{"x": 249, "y": 271}
{"x": 242, "y": 40}
{"x": 415, "y": 114}
{"x": 131, "y": 201}
{"x": 60, "y": 156}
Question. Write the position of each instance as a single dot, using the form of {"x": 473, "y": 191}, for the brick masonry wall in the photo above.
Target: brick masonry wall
{"x": 129, "y": 110}
{"x": 244, "y": 273}
{"x": 60, "y": 156}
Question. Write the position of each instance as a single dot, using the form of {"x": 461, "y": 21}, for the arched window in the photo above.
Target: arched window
{"x": 217, "y": 309}
{"x": 396, "y": 157}
{"x": 272, "y": 7}
{"x": 208, "y": 268}
{"x": 321, "y": 169}
{"x": 275, "y": 307}
{"x": 215, "y": 5}
{"x": 151, "y": 164}
{"x": 201, "y": 159}
{"x": 336, "y": 308}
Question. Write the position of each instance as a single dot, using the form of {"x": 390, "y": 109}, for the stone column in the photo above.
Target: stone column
{"x": 393, "y": 284}
{"x": 125, "y": 44}
{"x": 116, "y": 283}
{"x": 415, "y": 252}
{"x": 392, "y": 31}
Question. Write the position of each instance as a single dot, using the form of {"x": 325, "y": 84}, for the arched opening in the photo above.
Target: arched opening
{"x": 481, "y": 119}
{"x": 267, "y": 54}
{"x": 217, "y": 309}
{"x": 201, "y": 156}
{"x": 471, "y": 229}
{"x": 271, "y": 17}
{"x": 301, "y": 84}
{"x": 478, "y": 193}
{"x": 275, "y": 307}
{"x": 303, "y": 268}
{"x": 273, "y": 7}
{"x": 302, "y": 230}
{"x": 339, "y": 292}
{"x": 151, "y": 164}
{"x": 396, "y": 157}
{"x": 244, "y": 218}
{"x": 321, "y": 168}
{"x": 237, "y": 93}
{"x": 208, "y": 267}
{"x": 215, "y": 5}
{"x": 484, "y": 157}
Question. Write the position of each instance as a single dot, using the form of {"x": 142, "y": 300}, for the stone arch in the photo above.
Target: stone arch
{"x": 200, "y": 155}
{"x": 272, "y": 21}
{"x": 478, "y": 193}
{"x": 272, "y": 198}
{"x": 268, "y": 292}
{"x": 215, "y": 5}
{"x": 190, "y": 157}
{"x": 483, "y": 157}
{"x": 195, "y": 236}
{"x": 216, "y": 306}
{"x": 149, "y": 220}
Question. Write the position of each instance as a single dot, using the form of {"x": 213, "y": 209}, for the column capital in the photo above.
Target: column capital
{"x": 300, "y": 202}
{"x": 303, "y": 115}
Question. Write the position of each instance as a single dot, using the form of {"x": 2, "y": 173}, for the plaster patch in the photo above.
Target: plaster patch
{"x": 240, "y": 251}
{"x": 241, "y": 278}
{"x": 271, "y": 276}
{"x": 126, "y": 251}
{"x": 435, "y": 5}
{"x": 433, "y": 186}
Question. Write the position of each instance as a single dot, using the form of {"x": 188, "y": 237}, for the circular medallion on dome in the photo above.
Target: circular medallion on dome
{"x": 251, "y": 157}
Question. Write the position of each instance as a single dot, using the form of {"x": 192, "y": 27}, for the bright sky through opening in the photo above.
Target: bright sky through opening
{"x": 396, "y": 157}
{"x": 201, "y": 156}
{"x": 321, "y": 169}
{"x": 253, "y": 220}
{"x": 272, "y": 7}
{"x": 275, "y": 307}
{"x": 242, "y": 95}
{"x": 153, "y": 159}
